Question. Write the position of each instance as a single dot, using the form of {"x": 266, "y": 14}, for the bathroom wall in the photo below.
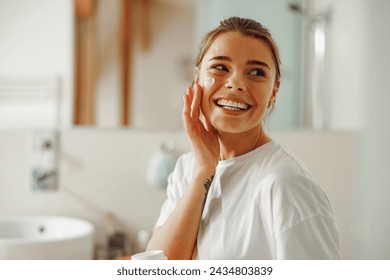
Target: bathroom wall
{"x": 105, "y": 170}
{"x": 357, "y": 71}
{"x": 36, "y": 44}
{"x": 99, "y": 170}
{"x": 375, "y": 177}
{"x": 345, "y": 54}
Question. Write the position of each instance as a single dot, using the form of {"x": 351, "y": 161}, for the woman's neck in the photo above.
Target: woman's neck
{"x": 236, "y": 144}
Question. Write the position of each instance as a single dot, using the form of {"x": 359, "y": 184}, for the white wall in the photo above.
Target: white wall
{"x": 99, "y": 170}
{"x": 375, "y": 187}
{"x": 36, "y": 42}
{"x": 346, "y": 54}
{"x": 358, "y": 44}
{"x": 105, "y": 170}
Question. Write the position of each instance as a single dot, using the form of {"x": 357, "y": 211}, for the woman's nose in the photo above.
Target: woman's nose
{"x": 235, "y": 83}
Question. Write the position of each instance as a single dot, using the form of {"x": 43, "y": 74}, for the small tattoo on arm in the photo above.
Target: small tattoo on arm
{"x": 207, "y": 186}
{"x": 208, "y": 183}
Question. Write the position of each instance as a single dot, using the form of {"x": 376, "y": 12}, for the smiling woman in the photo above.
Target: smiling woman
{"x": 238, "y": 75}
{"x": 239, "y": 194}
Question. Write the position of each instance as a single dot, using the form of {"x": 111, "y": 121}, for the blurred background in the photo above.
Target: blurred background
{"x": 91, "y": 99}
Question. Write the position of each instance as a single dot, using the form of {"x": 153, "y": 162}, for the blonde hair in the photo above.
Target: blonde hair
{"x": 247, "y": 27}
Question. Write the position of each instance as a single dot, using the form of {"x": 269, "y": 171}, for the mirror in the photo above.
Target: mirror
{"x": 83, "y": 53}
{"x": 158, "y": 67}
{"x": 42, "y": 44}
{"x": 160, "y": 72}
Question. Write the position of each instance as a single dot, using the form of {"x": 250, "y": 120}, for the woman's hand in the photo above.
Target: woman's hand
{"x": 178, "y": 235}
{"x": 202, "y": 134}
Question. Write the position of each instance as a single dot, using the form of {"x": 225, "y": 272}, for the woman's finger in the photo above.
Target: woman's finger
{"x": 186, "y": 103}
{"x": 195, "y": 106}
{"x": 187, "y": 106}
{"x": 208, "y": 125}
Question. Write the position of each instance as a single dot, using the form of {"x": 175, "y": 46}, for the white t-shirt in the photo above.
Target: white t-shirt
{"x": 261, "y": 205}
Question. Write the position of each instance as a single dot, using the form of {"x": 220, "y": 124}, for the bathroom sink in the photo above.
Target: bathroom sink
{"x": 45, "y": 238}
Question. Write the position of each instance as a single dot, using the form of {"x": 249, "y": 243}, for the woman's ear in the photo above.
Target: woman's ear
{"x": 276, "y": 89}
{"x": 274, "y": 93}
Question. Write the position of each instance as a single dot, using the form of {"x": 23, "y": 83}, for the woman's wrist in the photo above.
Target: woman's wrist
{"x": 203, "y": 173}
{"x": 201, "y": 183}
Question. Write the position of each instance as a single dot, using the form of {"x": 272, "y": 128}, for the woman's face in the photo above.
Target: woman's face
{"x": 242, "y": 85}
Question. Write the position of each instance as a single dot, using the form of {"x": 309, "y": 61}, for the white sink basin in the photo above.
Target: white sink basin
{"x": 45, "y": 238}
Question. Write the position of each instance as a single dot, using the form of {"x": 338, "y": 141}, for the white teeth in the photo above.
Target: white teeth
{"x": 232, "y": 105}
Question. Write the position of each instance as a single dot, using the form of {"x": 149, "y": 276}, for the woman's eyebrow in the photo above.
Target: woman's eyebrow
{"x": 221, "y": 57}
{"x": 250, "y": 62}
{"x": 257, "y": 62}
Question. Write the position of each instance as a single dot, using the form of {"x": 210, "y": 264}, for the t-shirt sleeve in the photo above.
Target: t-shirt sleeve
{"x": 315, "y": 238}
{"x": 175, "y": 188}
{"x": 304, "y": 223}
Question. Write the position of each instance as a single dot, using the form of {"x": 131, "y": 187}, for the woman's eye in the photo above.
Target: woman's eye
{"x": 257, "y": 72}
{"x": 220, "y": 67}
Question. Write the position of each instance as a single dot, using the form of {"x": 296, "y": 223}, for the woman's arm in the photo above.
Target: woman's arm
{"x": 177, "y": 236}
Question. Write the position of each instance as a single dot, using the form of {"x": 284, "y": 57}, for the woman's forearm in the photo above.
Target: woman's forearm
{"x": 177, "y": 236}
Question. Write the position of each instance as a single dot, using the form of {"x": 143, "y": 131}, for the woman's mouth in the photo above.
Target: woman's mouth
{"x": 232, "y": 105}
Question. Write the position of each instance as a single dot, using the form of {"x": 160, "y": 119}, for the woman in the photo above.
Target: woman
{"x": 239, "y": 194}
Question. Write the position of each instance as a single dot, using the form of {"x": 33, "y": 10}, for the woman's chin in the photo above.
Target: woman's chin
{"x": 229, "y": 128}
{"x": 233, "y": 127}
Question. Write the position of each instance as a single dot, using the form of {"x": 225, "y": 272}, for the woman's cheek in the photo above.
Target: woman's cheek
{"x": 205, "y": 104}
{"x": 209, "y": 82}
{"x": 209, "y": 87}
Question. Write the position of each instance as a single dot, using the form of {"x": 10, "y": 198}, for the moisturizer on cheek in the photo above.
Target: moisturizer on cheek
{"x": 209, "y": 82}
